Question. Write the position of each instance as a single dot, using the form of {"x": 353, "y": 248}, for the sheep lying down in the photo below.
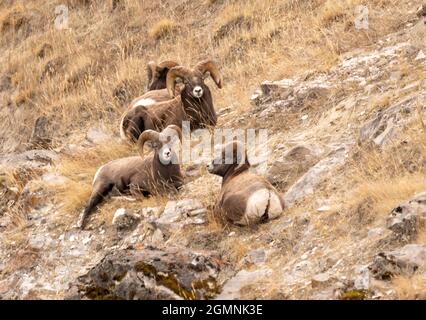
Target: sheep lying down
{"x": 156, "y": 174}
{"x": 245, "y": 198}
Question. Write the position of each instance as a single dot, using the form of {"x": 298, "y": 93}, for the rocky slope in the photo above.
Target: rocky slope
{"x": 345, "y": 139}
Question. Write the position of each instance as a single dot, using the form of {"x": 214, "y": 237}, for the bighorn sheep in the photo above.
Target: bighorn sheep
{"x": 245, "y": 198}
{"x": 194, "y": 104}
{"x": 157, "y": 173}
{"x": 157, "y": 76}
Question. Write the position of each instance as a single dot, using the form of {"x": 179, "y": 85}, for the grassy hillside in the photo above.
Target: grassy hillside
{"x": 89, "y": 71}
{"x": 84, "y": 75}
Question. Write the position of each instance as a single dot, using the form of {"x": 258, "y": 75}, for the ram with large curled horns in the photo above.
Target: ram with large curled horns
{"x": 193, "y": 104}
{"x": 157, "y": 173}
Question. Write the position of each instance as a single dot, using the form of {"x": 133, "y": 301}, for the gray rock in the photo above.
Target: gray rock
{"x": 420, "y": 56}
{"x": 179, "y": 213}
{"x": 124, "y": 219}
{"x": 292, "y": 164}
{"x": 54, "y": 179}
{"x": 232, "y": 288}
{"x": 151, "y": 213}
{"x": 362, "y": 278}
{"x": 283, "y": 88}
{"x": 256, "y": 256}
{"x": 41, "y": 137}
{"x": 405, "y": 219}
{"x": 32, "y": 159}
{"x": 381, "y": 129}
{"x": 150, "y": 273}
{"x": 322, "y": 281}
{"x": 307, "y": 183}
{"x": 97, "y": 136}
{"x": 406, "y": 260}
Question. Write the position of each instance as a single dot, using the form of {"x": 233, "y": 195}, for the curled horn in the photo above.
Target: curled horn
{"x": 174, "y": 73}
{"x": 172, "y": 130}
{"x": 147, "y": 135}
{"x": 210, "y": 66}
{"x": 167, "y": 64}
{"x": 151, "y": 69}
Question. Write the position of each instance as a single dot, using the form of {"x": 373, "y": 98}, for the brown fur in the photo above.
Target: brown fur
{"x": 146, "y": 175}
{"x": 238, "y": 185}
{"x": 184, "y": 107}
{"x": 157, "y": 74}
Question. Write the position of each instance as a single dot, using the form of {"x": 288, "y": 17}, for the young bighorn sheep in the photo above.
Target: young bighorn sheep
{"x": 245, "y": 198}
{"x": 194, "y": 104}
{"x": 158, "y": 173}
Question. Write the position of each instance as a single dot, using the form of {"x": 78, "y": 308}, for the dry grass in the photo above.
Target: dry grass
{"x": 87, "y": 73}
{"x": 163, "y": 28}
{"x": 382, "y": 180}
{"x": 381, "y": 102}
{"x": 410, "y": 288}
{"x": 91, "y": 70}
{"x": 80, "y": 168}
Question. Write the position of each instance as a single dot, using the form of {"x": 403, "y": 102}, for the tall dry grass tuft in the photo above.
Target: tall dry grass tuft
{"x": 80, "y": 168}
{"x": 410, "y": 288}
{"x": 163, "y": 28}
{"x": 383, "y": 179}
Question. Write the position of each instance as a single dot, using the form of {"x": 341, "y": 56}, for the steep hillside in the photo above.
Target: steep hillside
{"x": 345, "y": 112}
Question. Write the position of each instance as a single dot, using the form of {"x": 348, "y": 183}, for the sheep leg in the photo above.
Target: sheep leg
{"x": 96, "y": 198}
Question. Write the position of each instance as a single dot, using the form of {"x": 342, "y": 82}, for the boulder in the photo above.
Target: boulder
{"x": 124, "y": 219}
{"x": 406, "y": 261}
{"x": 294, "y": 163}
{"x": 322, "y": 281}
{"x": 31, "y": 159}
{"x": 179, "y": 213}
{"x": 406, "y": 218}
{"x": 97, "y": 136}
{"x": 233, "y": 287}
{"x": 256, "y": 256}
{"x": 150, "y": 273}
{"x": 306, "y": 184}
{"x": 41, "y": 137}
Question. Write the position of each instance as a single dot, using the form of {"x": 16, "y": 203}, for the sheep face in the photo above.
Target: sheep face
{"x": 194, "y": 85}
{"x": 231, "y": 156}
{"x": 162, "y": 143}
{"x": 164, "y": 151}
{"x": 193, "y": 79}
